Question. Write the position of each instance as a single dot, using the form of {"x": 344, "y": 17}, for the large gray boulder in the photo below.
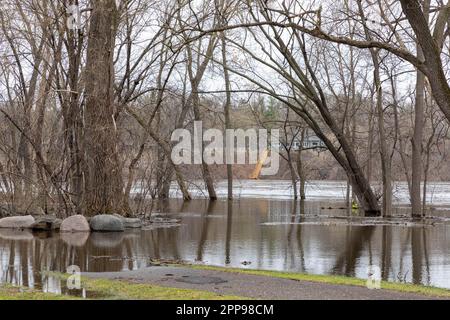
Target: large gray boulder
{"x": 22, "y": 222}
{"x": 106, "y": 223}
{"x": 76, "y": 223}
{"x": 130, "y": 223}
{"x": 46, "y": 223}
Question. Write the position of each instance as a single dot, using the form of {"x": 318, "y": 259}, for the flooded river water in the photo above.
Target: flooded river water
{"x": 267, "y": 232}
{"x": 273, "y": 234}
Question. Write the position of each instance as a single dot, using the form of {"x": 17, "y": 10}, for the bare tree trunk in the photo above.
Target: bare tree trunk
{"x": 194, "y": 101}
{"x": 369, "y": 147}
{"x": 416, "y": 161}
{"x": 401, "y": 149}
{"x": 73, "y": 126}
{"x": 103, "y": 176}
{"x": 301, "y": 169}
{"x": 384, "y": 155}
{"x": 360, "y": 185}
{"x": 385, "y": 159}
{"x": 164, "y": 177}
{"x": 425, "y": 181}
{"x": 426, "y": 167}
{"x": 227, "y": 111}
{"x": 164, "y": 172}
{"x": 431, "y": 49}
{"x": 293, "y": 174}
{"x": 207, "y": 177}
{"x": 132, "y": 171}
{"x": 416, "y": 165}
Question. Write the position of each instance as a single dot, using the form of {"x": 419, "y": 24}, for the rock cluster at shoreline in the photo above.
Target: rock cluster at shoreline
{"x": 73, "y": 224}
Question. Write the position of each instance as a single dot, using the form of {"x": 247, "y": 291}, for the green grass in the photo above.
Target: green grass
{"x": 124, "y": 290}
{"x": 330, "y": 279}
{"x": 9, "y": 292}
{"x": 110, "y": 289}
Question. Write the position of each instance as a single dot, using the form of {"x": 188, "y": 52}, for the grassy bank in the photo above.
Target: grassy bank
{"x": 122, "y": 290}
{"x": 330, "y": 279}
{"x": 125, "y": 290}
{"x": 102, "y": 289}
{"x": 8, "y": 292}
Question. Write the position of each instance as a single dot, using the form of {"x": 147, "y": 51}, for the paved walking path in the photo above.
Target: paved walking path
{"x": 252, "y": 286}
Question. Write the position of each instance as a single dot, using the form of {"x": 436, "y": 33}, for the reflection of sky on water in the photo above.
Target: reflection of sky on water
{"x": 215, "y": 235}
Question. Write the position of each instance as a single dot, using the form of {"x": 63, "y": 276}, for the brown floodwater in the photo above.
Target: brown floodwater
{"x": 260, "y": 234}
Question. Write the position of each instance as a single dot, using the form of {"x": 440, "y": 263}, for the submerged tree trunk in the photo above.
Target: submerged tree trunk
{"x": 385, "y": 159}
{"x": 227, "y": 111}
{"x": 165, "y": 181}
{"x": 301, "y": 168}
{"x": 360, "y": 186}
{"x": 207, "y": 177}
{"x": 103, "y": 172}
{"x": 384, "y": 155}
{"x": 416, "y": 161}
{"x": 293, "y": 174}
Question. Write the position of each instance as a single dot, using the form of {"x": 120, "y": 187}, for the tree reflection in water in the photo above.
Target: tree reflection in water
{"x": 278, "y": 235}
